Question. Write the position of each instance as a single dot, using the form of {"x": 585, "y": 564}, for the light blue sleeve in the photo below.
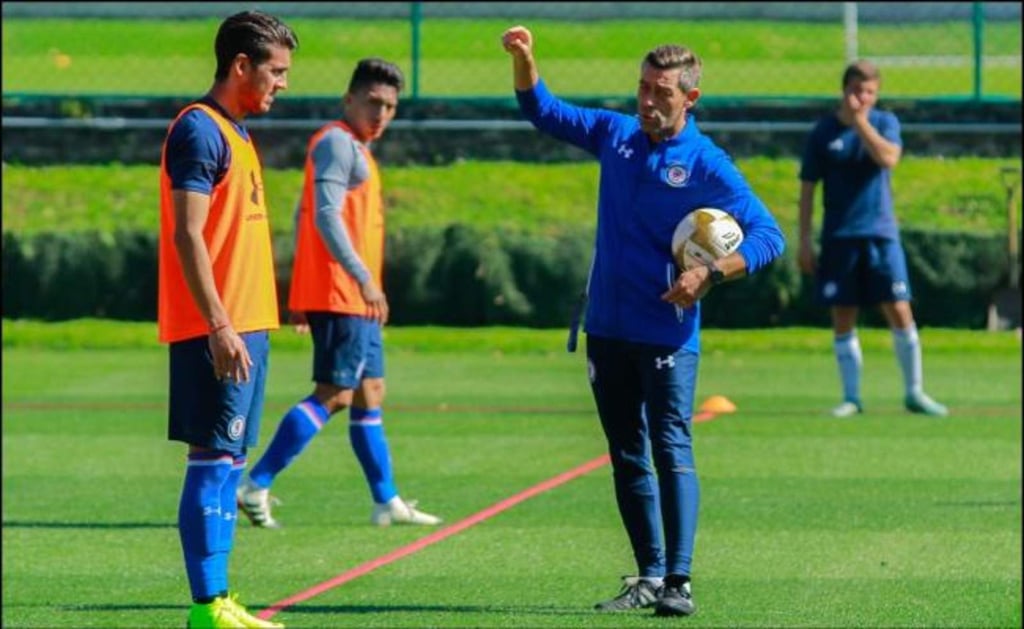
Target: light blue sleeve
{"x": 338, "y": 165}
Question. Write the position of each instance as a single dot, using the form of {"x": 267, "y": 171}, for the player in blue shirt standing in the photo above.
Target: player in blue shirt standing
{"x": 861, "y": 263}
{"x": 643, "y": 316}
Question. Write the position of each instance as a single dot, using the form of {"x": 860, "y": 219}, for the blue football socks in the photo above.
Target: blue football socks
{"x": 907, "y": 345}
{"x": 298, "y": 427}
{"x": 229, "y": 514}
{"x": 850, "y": 360}
{"x": 366, "y": 432}
{"x": 201, "y": 522}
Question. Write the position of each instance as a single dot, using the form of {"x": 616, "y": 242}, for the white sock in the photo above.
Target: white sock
{"x": 850, "y": 360}
{"x": 908, "y": 352}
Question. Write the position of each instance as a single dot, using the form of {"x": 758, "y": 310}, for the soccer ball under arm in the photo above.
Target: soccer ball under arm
{"x": 703, "y": 236}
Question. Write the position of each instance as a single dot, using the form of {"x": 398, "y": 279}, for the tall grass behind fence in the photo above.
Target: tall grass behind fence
{"x": 943, "y": 50}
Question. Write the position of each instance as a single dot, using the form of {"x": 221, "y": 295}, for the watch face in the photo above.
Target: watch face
{"x": 717, "y": 276}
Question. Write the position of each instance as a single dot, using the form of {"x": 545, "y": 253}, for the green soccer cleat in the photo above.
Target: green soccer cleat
{"x": 247, "y": 619}
{"x": 921, "y": 403}
{"x": 216, "y": 614}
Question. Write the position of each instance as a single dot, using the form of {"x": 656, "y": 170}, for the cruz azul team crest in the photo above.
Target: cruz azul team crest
{"x": 676, "y": 176}
{"x": 236, "y": 427}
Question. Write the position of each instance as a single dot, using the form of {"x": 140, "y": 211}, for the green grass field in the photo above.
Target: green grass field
{"x": 463, "y": 58}
{"x": 962, "y": 194}
{"x": 889, "y": 520}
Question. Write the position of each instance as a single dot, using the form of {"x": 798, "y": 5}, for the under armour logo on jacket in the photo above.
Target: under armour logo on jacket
{"x": 668, "y": 361}
{"x": 625, "y": 151}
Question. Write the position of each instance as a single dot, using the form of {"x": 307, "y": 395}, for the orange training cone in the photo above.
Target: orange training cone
{"x": 718, "y": 404}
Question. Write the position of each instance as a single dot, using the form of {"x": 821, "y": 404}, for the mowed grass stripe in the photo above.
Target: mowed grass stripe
{"x": 886, "y": 520}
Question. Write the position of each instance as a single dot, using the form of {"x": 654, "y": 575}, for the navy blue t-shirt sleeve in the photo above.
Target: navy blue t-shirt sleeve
{"x": 197, "y": 154}
{"x": 888, "y": 126}
{"x": 811, "y": 165}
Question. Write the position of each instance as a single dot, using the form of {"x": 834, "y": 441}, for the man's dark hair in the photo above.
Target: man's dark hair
{"x": 674, "y": 57}
{"x": 861, "y": 71}
{"x": 251, "y": 33}
{"x": 374, "y": 70}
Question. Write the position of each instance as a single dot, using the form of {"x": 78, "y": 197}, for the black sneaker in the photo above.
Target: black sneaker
{"x": 675, "y": 599}
{"x": 637, "y": 593}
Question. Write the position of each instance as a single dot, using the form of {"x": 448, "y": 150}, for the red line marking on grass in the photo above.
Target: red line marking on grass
{"x": 446, "y": 532}
{"x": 433, "y": 538}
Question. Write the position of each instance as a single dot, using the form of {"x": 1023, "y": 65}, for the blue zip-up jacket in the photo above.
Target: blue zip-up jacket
{"x": 645, "y": 190}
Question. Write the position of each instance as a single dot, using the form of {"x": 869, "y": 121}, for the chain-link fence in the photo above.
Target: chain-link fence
{"x": 751, "y": 50}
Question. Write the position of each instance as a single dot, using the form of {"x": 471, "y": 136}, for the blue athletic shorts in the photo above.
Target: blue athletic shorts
{"x": 346, "y": 349}
{"x": 205, "y": 411}
{"x": 862, "y": 272}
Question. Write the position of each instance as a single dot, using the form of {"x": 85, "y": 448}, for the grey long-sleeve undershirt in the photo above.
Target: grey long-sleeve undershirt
{"x": 338, "y": 166}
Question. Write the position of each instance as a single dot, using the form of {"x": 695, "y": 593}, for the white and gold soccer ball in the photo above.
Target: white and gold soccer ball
{"x": 703, "y": 236}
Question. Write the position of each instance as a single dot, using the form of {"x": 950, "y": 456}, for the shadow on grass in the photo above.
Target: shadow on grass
{"x": 537, "y": 610}
{"x": 38, "y": 524}
{"x": 319, "y": 610}
{"x": 116, "y": 608}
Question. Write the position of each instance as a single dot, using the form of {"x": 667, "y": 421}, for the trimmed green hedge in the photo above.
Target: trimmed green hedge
{"x": 465, "y": 276}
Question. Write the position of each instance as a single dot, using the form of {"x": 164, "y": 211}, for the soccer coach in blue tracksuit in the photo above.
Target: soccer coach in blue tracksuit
{"x": 643, "y": 316}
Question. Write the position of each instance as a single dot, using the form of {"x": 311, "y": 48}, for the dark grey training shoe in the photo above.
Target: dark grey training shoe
{"x": 636, "y": 593}
{"x": 675, "y": 599}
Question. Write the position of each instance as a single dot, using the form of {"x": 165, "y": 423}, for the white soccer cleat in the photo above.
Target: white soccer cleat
{"x": 254, "y": 502}
{"x": 846, "y": 409}
{"x": 398, "y": 511}
{"x": 920, "y": 403}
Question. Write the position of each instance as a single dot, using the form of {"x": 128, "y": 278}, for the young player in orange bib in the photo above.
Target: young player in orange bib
{"x": 217, "y": 298}
{"x": 337, "y": 291}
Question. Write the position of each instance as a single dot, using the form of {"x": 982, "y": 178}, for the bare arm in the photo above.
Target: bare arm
{"x": 518, "y": 41}
{"x": 694, "y": 283}
{"x": 230, "y": 356}
{"x": 296, "y": 318}
{"x": 732, "y": 266}
{"x": 885, "y": 153}
{"x": 191, "y": 210}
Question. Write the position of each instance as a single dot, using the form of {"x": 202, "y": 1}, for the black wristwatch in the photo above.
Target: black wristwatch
{"x": 716, "y": 275}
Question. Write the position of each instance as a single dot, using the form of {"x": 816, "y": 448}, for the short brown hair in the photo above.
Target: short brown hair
{"x": 861, "y": 70}
{"x": 673, "y": 57}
